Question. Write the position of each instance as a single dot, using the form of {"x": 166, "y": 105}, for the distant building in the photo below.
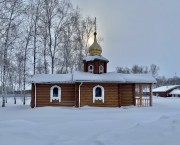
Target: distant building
{"x": 165, "y": 91}
{"x": 175, "y": 93}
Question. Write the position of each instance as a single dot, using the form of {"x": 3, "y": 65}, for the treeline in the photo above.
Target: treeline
{"x": 163, "y": 81}
{"x": 136, "y": 69}
{"x": 40, "y": 36}
{"x": 154, "y": 70}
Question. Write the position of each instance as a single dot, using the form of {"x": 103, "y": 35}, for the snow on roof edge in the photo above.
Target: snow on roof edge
{"x": 77, "y": 76}
{"x": 70, "y": 82}
{"x": 98, "y": 81}
{"x": 96, "y": 57}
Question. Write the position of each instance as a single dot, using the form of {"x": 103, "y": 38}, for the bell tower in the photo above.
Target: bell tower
{"x": 95, "y": 62}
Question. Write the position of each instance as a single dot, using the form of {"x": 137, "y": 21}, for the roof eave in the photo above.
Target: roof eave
{"x": 96, "y": 60}
{"x": 53, "y": 82}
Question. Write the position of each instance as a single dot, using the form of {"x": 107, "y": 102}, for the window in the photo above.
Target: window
{"x": 55, "y": 93}
{"x": 101, "y": 69}
{"x": 98, "y": 93}
{"x": 91, "y": 68}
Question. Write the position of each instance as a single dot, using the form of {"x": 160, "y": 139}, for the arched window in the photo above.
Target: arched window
{"x": 55, "y": 93}
{"x": 98, "y": 93}
{"x": 101, "y": 69}
{"x": 91, "y": 68}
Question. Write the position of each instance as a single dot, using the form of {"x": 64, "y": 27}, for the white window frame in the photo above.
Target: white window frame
{"x": 101, "y": 69}
{"x": 51, "y": 93}
{"x": 94, "y": 94}
{"x": 91, "y": 70}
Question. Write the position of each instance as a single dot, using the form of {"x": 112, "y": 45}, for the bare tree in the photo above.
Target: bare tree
{"x": 11, "y": 11}
{"x": 40, "y": 36}
{"x": 84, "y": 28}
{"x": 57, "y": 15}
{"x": 139, "y": 69}
{"x": 44, "y": 40}
{"x": 19, "y": 63}
{"x": 26, "y": 43}
{"x": 154, "y": 70}
{"x": 124, "y": 70}
{"x": 35, "y": 14}
{"x": 88, "y": 28}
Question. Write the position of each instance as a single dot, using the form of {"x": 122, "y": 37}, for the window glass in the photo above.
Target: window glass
{"x": 90, "y": 68}
{"x": 98, "y": 92}
{"x": 55, "y": 92}
{"x": 101, "y": 69}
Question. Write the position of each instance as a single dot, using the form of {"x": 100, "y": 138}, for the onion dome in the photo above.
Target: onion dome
{"x": 95, "y": 48}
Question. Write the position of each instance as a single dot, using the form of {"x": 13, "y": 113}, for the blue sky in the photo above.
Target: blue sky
{"x": 138, "y": 32}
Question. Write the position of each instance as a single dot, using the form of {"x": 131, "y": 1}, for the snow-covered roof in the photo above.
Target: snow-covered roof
{"x": 165, "y": 88}
{"x": 52, "y": 78}
{"x": 96, "y": 57}
{"x": 90, "y": 77}
{"x": 114, "y": 77}
{"x": 78, "y": 76}
{"x": 175, "y": 92}
{"x": 139, "y": 78}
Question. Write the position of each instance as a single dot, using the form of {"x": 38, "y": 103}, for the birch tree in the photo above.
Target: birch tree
{"x": 57, "y": 15}
{"x": 11, "y": 11}
{"x": 40, "y": 36}
{"x": 35, "y": 13}
{"x": 25, "y": 45}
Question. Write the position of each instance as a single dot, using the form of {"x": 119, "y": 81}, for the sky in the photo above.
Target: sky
{"x": 142, "y": 32}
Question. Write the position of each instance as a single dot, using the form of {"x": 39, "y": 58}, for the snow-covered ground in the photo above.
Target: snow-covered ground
{"x": 157, "y": 125}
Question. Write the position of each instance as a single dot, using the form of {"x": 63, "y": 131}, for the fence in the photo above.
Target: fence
{"x": 15, "y": 95}
{"x": 145, "y": 102}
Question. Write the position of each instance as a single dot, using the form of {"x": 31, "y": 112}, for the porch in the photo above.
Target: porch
{"x": 143, "y": 95}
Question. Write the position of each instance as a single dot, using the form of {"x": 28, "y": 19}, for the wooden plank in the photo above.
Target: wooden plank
{"x": 119, "y": 95}
{"x": 76, "y": 95}
{"x": 140, "y": 93}
{"x": 127, "y": 94}
{"x": 150, "y": 95}
{"x": 32, "y": 96}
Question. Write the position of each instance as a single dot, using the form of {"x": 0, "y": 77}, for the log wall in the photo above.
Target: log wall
{"x": 110, "y": 95}
{"x": 43, "y": 95}
{"x": 127, "y": 94}
{"x": 115, "y": 95}
{"x": 32, "y": 96}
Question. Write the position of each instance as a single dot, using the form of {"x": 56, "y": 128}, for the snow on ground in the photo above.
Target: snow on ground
{"x": 157, "y": 125}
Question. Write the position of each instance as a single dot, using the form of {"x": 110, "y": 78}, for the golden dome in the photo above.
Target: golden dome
{"x": 95, "y": 48}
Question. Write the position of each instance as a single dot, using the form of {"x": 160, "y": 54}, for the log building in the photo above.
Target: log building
{"x": 92, "y": 87}
{"x": 166, "y": 91}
